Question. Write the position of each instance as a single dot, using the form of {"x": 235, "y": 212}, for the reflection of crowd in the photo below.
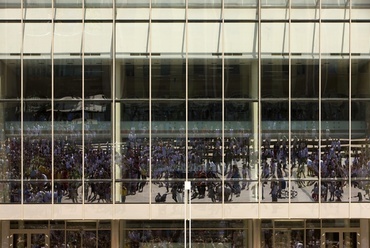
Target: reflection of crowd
{"x": 200, "y": 238}
{"x": 37, "y": 157}
{"x": 208, "y": 165}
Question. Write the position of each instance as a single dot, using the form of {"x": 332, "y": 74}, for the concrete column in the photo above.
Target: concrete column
{"x": 5, "y": 233}
{"x": 115, "y": 234}
{"x": 364, "y": 233}
{"x": 256, "y": 233}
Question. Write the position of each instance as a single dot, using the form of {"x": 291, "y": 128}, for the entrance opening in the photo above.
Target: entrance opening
{"x": 340, "y": 239}
{"x": 29, "y": 239}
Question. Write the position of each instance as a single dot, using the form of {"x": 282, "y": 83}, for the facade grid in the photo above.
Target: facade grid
{"x": 242, "y": 123}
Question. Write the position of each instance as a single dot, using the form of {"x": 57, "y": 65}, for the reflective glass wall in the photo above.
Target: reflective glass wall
{"x": 123, "y": 101}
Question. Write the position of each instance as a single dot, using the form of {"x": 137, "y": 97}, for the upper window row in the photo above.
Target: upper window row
{"x": 179, "y": 3}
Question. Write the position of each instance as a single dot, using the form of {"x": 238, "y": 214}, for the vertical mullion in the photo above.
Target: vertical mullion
{"x": 83, "y": 103}
{"x": 350, "y": 107}
{"x": 52, "y": 103}
{"x": 187, "y": 192}
{"x": 320, "y": 122}
{"x": 259, "y": 135}
{"x": 150, "y": 99}
{"x": 22, "y": 103}
{"x": 113, "y": 102}
{"x": 289, "y": 98}
{"x": 223, "y": 100}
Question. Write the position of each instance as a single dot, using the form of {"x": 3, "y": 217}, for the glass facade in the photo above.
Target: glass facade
{"x": 122, "y": 101}
{"x": 228, "y": 122}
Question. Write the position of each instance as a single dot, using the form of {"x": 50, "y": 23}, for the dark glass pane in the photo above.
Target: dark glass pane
{"x": 205, "y": 78}
{"x": 134, "y": 79}
{"x": 335, "y": 78}
{"x": 274, "y": 78}
{"x": 11, "y": 78}
{"x": 67, "y": 78}
{"x": 132, "y": 153}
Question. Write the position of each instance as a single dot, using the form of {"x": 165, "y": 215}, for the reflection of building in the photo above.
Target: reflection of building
{"x": 261, "y": 105}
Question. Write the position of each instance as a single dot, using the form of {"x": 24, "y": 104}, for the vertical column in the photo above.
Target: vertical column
{"x": 256, "y": 232}
{"x": 364, "y": 233}
{"x": 115, "y": 234}
{"x": 5, "y": 227}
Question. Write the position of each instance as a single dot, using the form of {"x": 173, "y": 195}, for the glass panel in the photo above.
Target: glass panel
{"x": 37, "y": 131}
{"x": 57, "y": 238}
{"x": 267, "y": 238}
{"x": 293, "y": 238}
{"x": 305, "y": 80}
{"x": 89, "y": 238}
{"x": 240, "y": 39}
{"x": 68, "y": 80}
{"x": 97, "y": 112}
{"x": 240, "y": 76}
{"x": 37, "y": 39}
{"x": 10, "y": 3}
{"x": 307, "y": 190}
{"x": 168, "y": 4}
{"x": 67, "y": 3}
{"x": 168, "y": 129}
{"x": 351, "y": 240}
{"x": 37, "y": 4}
{"x": 204, "y": 39}
{"x": 104, "y": 239}
{"x": 360, "y": 3}
{"x": 97, "y": 46}
{"x": 274, "y": 81}
{"x": 133, "y": 81}
{"x": 274, "y": 131}
{"x": 204, "y": 3}
{"x": 173, "y": 46}
{"x": 332, "y": 239}
{"x": 313, "y": 237}
{"x": 98, "y": 3}
{"x": 304, "y": 152}
{"x": 304, "y": 3}
{"x": 204, "y": 132}
{"x": 241, "y": 129}
{"x": 67, "y": 33}
{"x": 335, "y": 50}
{"x": 360, "y": 41}
{"x": 205, "y": 79}
{"x": 275, "y": 3}
{"x": 132, "y": 3}
{"x": 360, "y": 86}
{"x": 205, "y": 129}
{"x": 213, "y": 234}
{"x": 20, "y": 240}
{"x": 38, "y": 240}
{"x": 132, "y": 151}
{"x": 330, "y": 3}
{"x": 10, "y": 74}
{"x": 360, "y": 150}
{"x": 97, "y": 191}
{"x": 37, "y": 79}
{"x": 335, "y": 78}
{"x": 74, "y": 239}
{"x": 10, "y": 143}
{"x": 237, "y": 3}
{"x": 10, "y": 192}
{"x": 168, "y": 81}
